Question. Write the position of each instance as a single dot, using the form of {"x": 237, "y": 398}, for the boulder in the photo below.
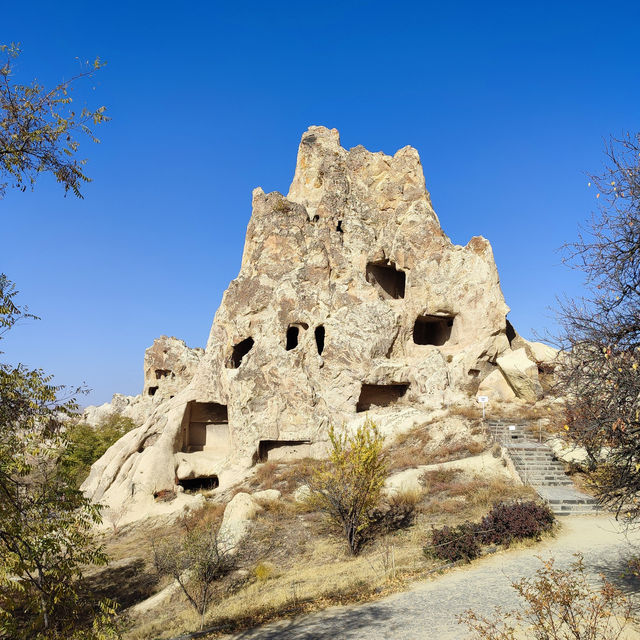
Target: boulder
{"x": 302, "y": 493}
{"x": 496, "y": 387}
{"x": 236, "y": 521}
{"x": 521, "y": 374}
{"x": 267, "y": 494}
{"x": 541, "y": 353}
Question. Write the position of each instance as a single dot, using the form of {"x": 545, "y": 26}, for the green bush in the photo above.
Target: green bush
{"x": 87, "y": 444}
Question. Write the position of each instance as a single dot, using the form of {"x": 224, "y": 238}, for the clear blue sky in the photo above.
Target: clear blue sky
{"x": 508, "y": 104}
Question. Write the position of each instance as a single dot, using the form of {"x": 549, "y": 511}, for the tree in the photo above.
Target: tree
{"x": 39, "y": 128}
{"x": 558, "y": 604}
{"x": 600, "y": 333}
{"x": 45, "y": 522}
{"x": 349, "y": 486}
{"x": 196, "y": 562}
{"x": 86, "y": 444}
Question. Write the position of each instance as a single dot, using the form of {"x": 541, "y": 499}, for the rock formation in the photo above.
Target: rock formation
{"x": 350, "y": 299}
{"x": 169, "y": 366}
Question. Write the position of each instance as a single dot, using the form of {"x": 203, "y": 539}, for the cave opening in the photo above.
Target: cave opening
{"x": 390, "y": 280}
{"x": 319, "y": 334}
{"x": 283, "y": 450}
{"x": 293, "y": 334}
{"x": 434, "y": 330}
{"x": 204, "y": 483}
{"x": 380, "y": 395}
{"x": 239, "y": 351}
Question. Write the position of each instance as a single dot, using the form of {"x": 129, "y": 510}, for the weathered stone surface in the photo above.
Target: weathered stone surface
{"x": 302, "y": 493}
{"x": 169, "y": 366}
{"x": 496, "y": 387}
{"x": 521, "y": 374}
{"x": 541, "y": 353}
{"x": 267, "y": 494}
{"x": 350, "y": 299}
{"x": 236, "y": 521}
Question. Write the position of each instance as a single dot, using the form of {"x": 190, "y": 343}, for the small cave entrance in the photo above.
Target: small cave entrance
{"x": 319, "y": 334}
{"x": 205, "y": 427}
{"x": 388, "y": 277}
{"x": 339, "y": 228}
{"x": 435, "y": 330}
{"x": 239, "y": 351}
{"x": 162, "y": 373}
{"x": 152, "y": 391}
{"x": 511, "y": 332}
{"x": 380, "y": 395}
{"x": 293, "y": 334}
{"x": 283, "y": 450}
{"x": 292, "y": 338}
{"x": 205, "y": 483}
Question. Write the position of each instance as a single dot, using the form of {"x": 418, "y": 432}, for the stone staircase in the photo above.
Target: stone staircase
{"x": 537, "y": 467}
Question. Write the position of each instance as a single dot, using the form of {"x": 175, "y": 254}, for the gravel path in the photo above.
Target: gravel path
{"x": 428, "y": 610}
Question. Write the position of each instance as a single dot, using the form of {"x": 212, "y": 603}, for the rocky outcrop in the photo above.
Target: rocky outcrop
{"x": 169, "y": 366}
{"x": 350, "y": 300}
{"x": 521, "y": 374}
{"x": 236, "y": 521}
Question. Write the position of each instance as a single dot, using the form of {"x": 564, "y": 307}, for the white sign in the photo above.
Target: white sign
{"x": 512, "y": 427}
{"x": 483, "y": 399}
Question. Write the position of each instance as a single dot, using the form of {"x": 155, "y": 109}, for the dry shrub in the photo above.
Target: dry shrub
{"x": 454, "y": 543}
{"x": 263, "y": 571}
{"x": 265, "y": 476}
{"x": 455, "y": 451}
{"x": 515, "y": 521}
{"x": 292, "y": 475}
{"x": 559, "y": 604}
{"x": 438, "y": 480}
{"x": 485, "y": 493}
{"x": 496, "y": 451}
{"x": 449, "y": 506}
{"x": 395, "y": 512}
{"x": 210, "y": 516}
{"x": 410, "y": 448}
{"x": 471, "y": 412}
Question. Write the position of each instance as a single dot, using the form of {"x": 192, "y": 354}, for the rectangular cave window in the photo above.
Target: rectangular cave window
{"x": 239, "y": 351}
{"x": 152, "y": 391}
{"x": 390, "y": 279}
{"x": 205, "y": 428}
{"x": 193, "y": 485}
{"x": 434, "y": 330}
{"x": 380, "y": 395}
{"x": 162, "y": 373}
{"x": 319, "y": 333}
{"x": 283, "y": 450}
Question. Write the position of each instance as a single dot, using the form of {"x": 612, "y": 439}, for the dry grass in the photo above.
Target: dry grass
{"x": 410, "y": 449}
{"x": 284, "y": 476}
{"x": 296, "y": 561}
{"x": 466, "y": 411}
{"x": 421, "y": 445}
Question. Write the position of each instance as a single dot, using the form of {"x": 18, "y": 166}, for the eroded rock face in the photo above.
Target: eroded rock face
{"x": 350, "y": 298}
{"x": 169, "y": 366}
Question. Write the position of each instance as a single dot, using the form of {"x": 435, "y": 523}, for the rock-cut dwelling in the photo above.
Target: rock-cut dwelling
{"x": 350, "y": 301}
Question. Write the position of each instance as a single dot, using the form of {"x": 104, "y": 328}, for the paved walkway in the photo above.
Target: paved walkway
{"x": 428, "y": 610}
